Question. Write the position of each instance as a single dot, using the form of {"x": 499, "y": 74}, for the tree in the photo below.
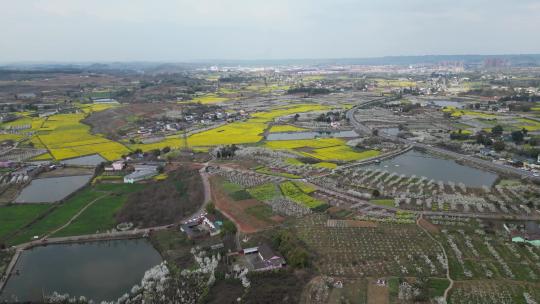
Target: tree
{"x": 499, "y": 146}
{"x": 497, "y": 130}
{"x": 211, "y": 208}
{"x": 229, "y": 227}
{"x": 517, "y": 137}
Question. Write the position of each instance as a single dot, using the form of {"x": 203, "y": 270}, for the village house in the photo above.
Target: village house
{"x": 141, "y": 172}
{"x": 201, "y": 227}
{"x": 263, "y": 258}
{"x": 118, "y": 165}
{"x": 529, "y": 234}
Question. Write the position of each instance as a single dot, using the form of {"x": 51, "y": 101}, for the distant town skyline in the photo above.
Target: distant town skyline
{"x": 182, "y": 30}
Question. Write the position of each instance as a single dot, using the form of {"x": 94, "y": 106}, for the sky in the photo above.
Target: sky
{"x": 191, "y": 30}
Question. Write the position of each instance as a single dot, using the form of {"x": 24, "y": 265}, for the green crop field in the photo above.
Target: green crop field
{"x": 264, "y": 192}
{"x": 290, "y": 190}
{"x": 14, "y": 217}
{"x": 99, "y": 216}
{"x": 57, "y": 217}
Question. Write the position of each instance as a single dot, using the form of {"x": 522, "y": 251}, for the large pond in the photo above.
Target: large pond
{"x": 89, "y": 160}
{"x": 102, "y": 271}
{"x": 310, "y": 135}
{"x": 420, "y": 164}
{"x": 52, "y": 189}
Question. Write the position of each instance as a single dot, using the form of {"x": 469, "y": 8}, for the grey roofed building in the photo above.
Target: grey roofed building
{"x": 141, "y": 172}
{"x": 264, "y": 258}
{"x": 193, "y": 230}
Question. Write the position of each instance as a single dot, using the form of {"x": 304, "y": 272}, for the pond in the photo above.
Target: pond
{"x": 447, "y": 103}
{"x": 437, "y": 168}
{"x": 89, "y": 160}
{"x": 102, "y": 271}
{"x": 52, "y": 189}
{"x": 310, "y": 135}
{"x": 390, "y": 131}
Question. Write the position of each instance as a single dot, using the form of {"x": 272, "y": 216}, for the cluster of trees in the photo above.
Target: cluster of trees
{"x": 227, "y": 151}
{"x": 308, "y": 90}
{"x": 165, "y": 202}
{"x": 459, "y": 135}
{"x": 292, "y": 248}
{"x": 521, "y": 97}
{"x": 331, "y": 116}
{"x": 154, "y": 153}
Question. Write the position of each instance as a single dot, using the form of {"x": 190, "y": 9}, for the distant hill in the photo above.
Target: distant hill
{"x": 522, "y": 60}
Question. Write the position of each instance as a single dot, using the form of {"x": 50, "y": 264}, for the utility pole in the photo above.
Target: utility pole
{"x": 185, "y": 141}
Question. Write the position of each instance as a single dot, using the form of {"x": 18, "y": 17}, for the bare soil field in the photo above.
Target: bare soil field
{"x": 428, "y": 226}
{"x": 110, "y": 121}
{"x": 377, "y": 294}
{"x": 68, "y": 171}
{"x": 236, "y": 210}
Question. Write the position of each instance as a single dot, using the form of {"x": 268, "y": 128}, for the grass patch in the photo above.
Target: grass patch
{"x": 326, "y": 165}
{"x": 240, "y": 195}
{"x": 437, "y": 286}
{"x": 261, "y": 212}
{"x": 231, "y": 187}
{"x": 58, "y": 217}
{"x": 383, "y": 202}
{"x": 265, "y": 170}
{"x": 97, "y": 218}
{"x": 290, "y": 190}
{"x": 16, "y": 216}
{"x": 305, "y": 187}
{"x": 293, "y": 161}
{"x": 264, "y": 192}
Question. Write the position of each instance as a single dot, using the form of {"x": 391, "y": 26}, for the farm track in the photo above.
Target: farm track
{"x": 136, "y": 233}
{"x": 73, "y": 218}
{"x": 447, "y": 290}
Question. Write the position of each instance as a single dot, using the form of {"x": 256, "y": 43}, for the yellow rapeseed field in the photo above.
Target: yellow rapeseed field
{"x": 285, "y": 128}
{"x": 325, "y": 149}
{"x": 66, "y": 137}
{"x": 241, "y": 132}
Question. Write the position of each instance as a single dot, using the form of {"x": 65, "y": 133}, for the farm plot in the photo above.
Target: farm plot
{"x": 249, "y": 215}
{"x": 285, "y": 128}
{"x": 388, "y": 249}
{"x": 494, "y": 292}
{"x": 474, "y": 254}
{"x": 325, "y": 149}
{"x": 99, "y": 217}
{"x": 243, "y": 132}
{"x": 264, "y": 192}
{"x": 57, "y": 217}
{"x": 15, "y": 217}
{"x": 66, "y": 137}
{"x": 293, "y": 192}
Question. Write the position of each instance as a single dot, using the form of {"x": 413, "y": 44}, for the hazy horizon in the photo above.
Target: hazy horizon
{"x": 209, "y": 30}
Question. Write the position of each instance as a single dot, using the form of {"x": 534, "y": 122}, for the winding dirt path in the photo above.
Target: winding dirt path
{"x": 445, "y": 296}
